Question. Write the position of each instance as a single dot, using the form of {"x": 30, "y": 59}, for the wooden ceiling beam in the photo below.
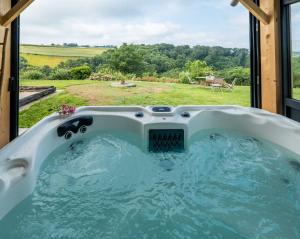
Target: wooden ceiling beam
{"x": 14, "y": 12}
{"x": 256, "y": 11}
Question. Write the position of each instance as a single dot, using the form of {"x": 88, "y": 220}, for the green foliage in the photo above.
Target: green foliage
{"x": 60, "y": 74}
{"x": 107, "y": 74}
{"x": 46, "y": 70}
{"x": 125, "y": 59}
{"x": 173, "y": 73}
{"x": 33, "y": 74}
{"x": 23, "y": 63}
{"x": 240, "y": 74}
{"x": 81, "y": 72}
{"x": 94, "y": 62}
{"x": 144, "y": 61}
{"x": 185, "y": 77}
{"x": 198, "y": 69}
{"x": 296, "y": 72}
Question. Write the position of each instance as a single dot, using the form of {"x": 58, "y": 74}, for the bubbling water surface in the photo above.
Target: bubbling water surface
{"x": 227, "y": 185}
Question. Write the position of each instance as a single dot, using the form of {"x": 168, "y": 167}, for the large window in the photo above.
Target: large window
{"x": 175, "y": 54}
{"x": 295, "y": 49}
{"x": 291, "y": 58}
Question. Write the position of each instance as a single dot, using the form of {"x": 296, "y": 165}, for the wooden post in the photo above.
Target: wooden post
{"x": 270, "y": 58}
{"x": 4, "y": 94}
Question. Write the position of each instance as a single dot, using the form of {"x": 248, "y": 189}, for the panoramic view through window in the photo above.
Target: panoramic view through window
{"x": 154, "y": 53}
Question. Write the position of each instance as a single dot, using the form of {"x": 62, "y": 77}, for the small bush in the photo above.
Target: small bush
{"x": 102, "y": 77}
{"x": 174, "y": 73}
{"x": 184, "y": 77}
{"x": 81, "y": 72}
{"x": 46, "y": 70}
{"x": 110, "y": 75}
{"x": 61, "y": 74}
{"x": 296, "y": 81}
{"x": 32, "y": 75}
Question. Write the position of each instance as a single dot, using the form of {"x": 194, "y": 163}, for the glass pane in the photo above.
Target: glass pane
{"x": 295, "y": 29}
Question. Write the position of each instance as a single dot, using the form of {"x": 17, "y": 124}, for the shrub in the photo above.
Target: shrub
{"x": 32, "y": 75}
{"x": 107, "y": 74}
{"x": 296, "y": 81}
{"x": 185, "y": 77}
{"x": 60, "y": 74}
{"x": 46, "y": 70}
{"x": 102, "y": 77}
{"x": 198, "y": 69}
{"x": 241, "y": 74}
{"x": 23, "y": 63}
{"x": 81, "y": 72}
{"x": 174, "y": 73}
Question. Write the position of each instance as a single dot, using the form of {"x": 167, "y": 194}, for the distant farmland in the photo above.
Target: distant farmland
{"x": 38, "y": 55}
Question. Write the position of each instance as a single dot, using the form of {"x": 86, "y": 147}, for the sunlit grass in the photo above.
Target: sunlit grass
{"x": 79, "y": 93}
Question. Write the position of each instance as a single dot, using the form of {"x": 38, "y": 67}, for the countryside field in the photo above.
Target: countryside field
{"x": 88, "y": 92}
{"x": 37, "y": 55}
{"x": 42, "y": 60}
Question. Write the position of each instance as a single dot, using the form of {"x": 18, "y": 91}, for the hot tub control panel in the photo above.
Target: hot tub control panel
{"x": 161, "y": 109}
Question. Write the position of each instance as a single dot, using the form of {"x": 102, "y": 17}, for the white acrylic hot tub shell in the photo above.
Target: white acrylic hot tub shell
{"x": 20, "y": 160}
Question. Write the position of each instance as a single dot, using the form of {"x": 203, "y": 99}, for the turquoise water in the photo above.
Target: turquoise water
{"x": 227, "y": 185}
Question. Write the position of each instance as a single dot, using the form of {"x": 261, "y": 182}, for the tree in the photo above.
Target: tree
{"x": 240, "y": 74}
{"x": 126, "y": 59}
{"x": 198, "y": 69}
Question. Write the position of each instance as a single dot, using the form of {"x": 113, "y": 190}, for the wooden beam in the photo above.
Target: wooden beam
{"x": 14, "y": 12}
{"x": 270, "y": 58}
{"x": 256, "y": 11}
{"x": 4, "y": 93}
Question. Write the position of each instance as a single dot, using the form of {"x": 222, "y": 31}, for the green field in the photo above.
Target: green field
{"x": 87, "y": 92}
{"x": 62, "y": 51}
{"x": 42, "y": 60}
{"x": 52, "y": 55}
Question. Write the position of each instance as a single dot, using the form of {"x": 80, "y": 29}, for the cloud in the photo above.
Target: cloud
{"x": 102, "y": 22}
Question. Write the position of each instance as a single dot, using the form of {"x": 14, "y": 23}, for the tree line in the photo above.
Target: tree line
{"x": 156, "y": 61}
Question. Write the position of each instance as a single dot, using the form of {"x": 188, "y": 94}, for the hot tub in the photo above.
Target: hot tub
{"x": 185, "y": 172}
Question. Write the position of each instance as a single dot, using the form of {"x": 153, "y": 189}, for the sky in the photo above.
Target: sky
{"x": 113, "y": 22}
{"x": 295, "y": 16}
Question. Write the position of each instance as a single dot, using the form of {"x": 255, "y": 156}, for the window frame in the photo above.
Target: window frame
{"x": 255, "y": 61}
{"x": 291, "y": 106}
{"x": 14, "y": 76}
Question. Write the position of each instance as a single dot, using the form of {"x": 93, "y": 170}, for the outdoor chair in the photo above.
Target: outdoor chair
{"x": 230, "y": 86}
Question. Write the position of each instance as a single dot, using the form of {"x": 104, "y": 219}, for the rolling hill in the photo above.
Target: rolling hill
{"x": 40, "y": 55}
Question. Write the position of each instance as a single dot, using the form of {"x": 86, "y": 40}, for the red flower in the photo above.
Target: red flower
{"x": 67, "y": 110}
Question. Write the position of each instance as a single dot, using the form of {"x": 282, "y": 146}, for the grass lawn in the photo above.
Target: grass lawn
{"x": 81, "y": 93}
{"x": 296, "y": 93}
